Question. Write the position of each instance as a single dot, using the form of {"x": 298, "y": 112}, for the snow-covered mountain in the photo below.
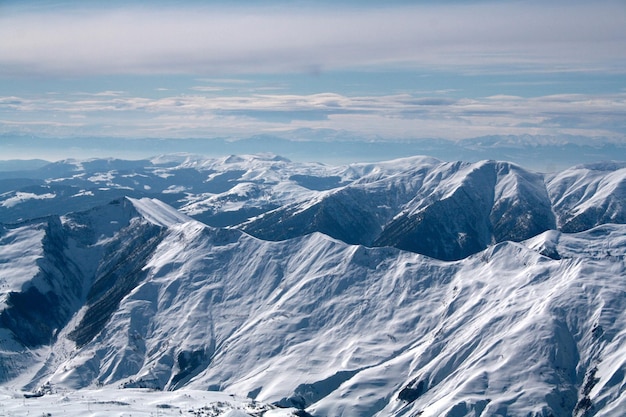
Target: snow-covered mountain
{"x": 135, "y": 293}
{"x": 440, "y": 209}
{"x": 588, "y": 195}
{"x": 444, "y": 210}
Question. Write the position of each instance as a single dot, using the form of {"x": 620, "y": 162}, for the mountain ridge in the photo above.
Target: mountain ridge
{"x": 163, "y": 301}
{"x": 447, "y": 210}
{"x": 535, "y": 152}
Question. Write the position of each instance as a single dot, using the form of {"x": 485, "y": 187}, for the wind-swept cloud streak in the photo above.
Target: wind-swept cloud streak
{"x": 391, "y": 116}
{"x": 212, "y": 40}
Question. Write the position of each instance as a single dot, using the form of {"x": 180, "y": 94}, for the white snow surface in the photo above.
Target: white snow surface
{"x": 533, "y": 328}
{"x": 21, "y": 197}
{"x": 20, "y": 248}
{"x": 595, "y": 190}
{"x": 159, "y": 213}
{"x": 133, "y": 402}
{"x": 347, "y": 328}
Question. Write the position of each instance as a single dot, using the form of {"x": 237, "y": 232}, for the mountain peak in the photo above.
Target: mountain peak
{"x": 159, "y": 213}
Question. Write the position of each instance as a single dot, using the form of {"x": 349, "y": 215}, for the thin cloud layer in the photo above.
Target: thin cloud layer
{"x": 132, "y": 40}
{"x": 397, "y": 116}
{"x": 435, "y": 69}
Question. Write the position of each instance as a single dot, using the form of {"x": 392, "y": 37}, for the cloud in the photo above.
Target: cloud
{"x": 214, "y": 41}
{"x": 207, "y": 88}
{"x": 108, "y": 93}
{"x": 390, "y": 116}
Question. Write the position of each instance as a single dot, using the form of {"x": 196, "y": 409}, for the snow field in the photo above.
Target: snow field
{"x": 133, "y": 403}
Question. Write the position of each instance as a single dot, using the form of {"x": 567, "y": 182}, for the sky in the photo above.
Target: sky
{"x": 368, "y": 69}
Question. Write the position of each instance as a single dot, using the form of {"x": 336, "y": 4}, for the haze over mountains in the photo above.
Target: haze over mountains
{"x": 542, "y": 153}
{"x": 408, "y": 287}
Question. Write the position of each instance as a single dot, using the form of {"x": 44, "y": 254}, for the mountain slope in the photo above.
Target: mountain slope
{"x": 589, "y": 195}
{"x": 346, "y": 330}
{"x": 444, "y": 210}
{"x": 528, "y": 322}
{"x": 71, "y": 261}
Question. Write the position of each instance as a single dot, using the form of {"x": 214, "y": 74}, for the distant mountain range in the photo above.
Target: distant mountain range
{"x": 539, "y": 153}
{"x": 399, "y": 288}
